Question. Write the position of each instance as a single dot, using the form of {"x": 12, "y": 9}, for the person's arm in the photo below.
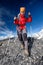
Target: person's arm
{"x": 16, "y": 21}
{"x": 29, "y": 19}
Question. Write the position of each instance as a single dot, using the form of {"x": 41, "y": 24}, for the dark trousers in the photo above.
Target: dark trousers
{"x": 22, "y": 35}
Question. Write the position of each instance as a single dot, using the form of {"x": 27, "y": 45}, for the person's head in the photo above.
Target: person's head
{"x": 22, "y": 10}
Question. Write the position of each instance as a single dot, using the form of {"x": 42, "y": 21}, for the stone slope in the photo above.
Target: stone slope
{"x": 12, "y": 54}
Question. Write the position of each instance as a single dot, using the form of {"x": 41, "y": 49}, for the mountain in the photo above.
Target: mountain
{"x": 6, "y": 37}
{"x": 38, "y": 35}
{"x": 12, "y": 54}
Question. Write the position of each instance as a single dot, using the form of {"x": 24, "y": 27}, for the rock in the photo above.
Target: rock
{"x": 12, "y": 54}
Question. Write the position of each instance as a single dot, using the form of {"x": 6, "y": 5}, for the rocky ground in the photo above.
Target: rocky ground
{"x": 12, "y": 54}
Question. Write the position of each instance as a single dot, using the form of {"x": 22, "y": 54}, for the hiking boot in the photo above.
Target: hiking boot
{"x": 22, "y": 46}
{"x": 26, "y": 52}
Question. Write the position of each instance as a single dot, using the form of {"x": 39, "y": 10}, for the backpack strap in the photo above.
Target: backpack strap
{"x": 18, "y": 16}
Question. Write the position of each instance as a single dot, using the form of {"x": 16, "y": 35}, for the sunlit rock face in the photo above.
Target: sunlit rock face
{"x": 12, "y": 54}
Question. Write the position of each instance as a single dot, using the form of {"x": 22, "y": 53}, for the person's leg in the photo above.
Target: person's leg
{"x": 24, "y": 36}
{"x": 19, "y": 33}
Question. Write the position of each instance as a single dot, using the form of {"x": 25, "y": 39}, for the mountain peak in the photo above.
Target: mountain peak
{"x": 39, "y": 34}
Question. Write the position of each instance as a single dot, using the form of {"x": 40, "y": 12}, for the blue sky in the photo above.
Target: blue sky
{"x": 10, "y": 8}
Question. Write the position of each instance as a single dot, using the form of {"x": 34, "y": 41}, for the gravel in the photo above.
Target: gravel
{"x": 12, "y": 54}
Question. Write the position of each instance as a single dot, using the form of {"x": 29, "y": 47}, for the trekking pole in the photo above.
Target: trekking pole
{"x": 31, "y": 30}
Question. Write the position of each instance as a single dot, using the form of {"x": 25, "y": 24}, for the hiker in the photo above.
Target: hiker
{"x": 21, "y": 21}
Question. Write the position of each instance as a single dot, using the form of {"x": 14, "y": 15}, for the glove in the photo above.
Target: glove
{"x": 29, "y": 13}
{"x": 15, "y": 18}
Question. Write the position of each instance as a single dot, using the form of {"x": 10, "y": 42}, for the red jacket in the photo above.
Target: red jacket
{"x": 22, "y": 21}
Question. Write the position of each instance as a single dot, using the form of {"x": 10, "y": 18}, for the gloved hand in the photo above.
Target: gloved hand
{"x": 29, "y": 13}
{"x": 15, "y": 18}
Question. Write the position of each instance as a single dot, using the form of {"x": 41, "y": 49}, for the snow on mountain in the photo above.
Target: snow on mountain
{"x": 5, "y": 37}
{"x": 39, "y": 34}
